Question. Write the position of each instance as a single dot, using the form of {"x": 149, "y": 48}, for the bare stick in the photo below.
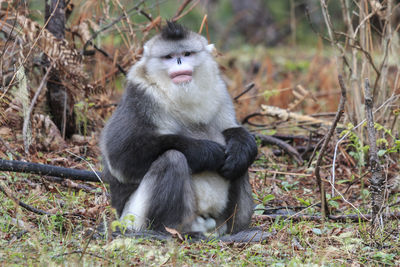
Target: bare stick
{"x": 181, "y": 8}
{"x": 267, "y": 139}
{"x": 27, "y": 118}
{"x": 324, "y": 204}
{"x": 337, "y": 218}
{"x": 9, "y": 149}
{"x": 22, "y": 204}
{"x": 48, "y": 170}
{"x": 377, "y": 180}
{"x": 248, "y": 88}
{"x": 136, "y": 7}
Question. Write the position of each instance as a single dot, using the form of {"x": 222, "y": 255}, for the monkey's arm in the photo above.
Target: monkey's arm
{"x": 201, "y": 155}
{"x": 132, "y": 157}
{"x": 241, "y": 151}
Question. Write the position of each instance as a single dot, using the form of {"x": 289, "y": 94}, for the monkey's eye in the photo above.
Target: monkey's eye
{"x": 168, "y": 56}
{"x": 186, "y": 54}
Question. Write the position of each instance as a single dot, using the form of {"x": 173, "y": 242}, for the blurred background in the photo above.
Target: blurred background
{"x": 63, "y": 66}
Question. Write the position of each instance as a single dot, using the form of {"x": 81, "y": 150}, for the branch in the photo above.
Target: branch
{"x": 324, "y": 204}
{"x": 286, "y": 115}
{"x": 48, "y": 170}
{"x": 267, "y": 139}
{"x": 247, "y": 89}
{"x": 22, "y": 204}
{"x": 337, "y": 218}
{"x": 377, "y": 180}
{"x": 136, "y": 7}
{"x": 27, "y": 118}
{"x": 181, "y": 8}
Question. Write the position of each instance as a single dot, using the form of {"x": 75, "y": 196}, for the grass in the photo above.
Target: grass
{"x": 29, "y": 239}
{"x": 63, "y": 238}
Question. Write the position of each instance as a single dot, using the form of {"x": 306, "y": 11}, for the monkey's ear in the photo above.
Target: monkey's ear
{"x": 210, "y": 48}
{"x": 145, "y": 50}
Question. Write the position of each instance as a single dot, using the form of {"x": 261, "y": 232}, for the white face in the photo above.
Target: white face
{"x": 180, "y": 66}
{"x": 177, "y": 66}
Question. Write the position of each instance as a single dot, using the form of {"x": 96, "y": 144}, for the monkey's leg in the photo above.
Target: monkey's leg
{"x": 165, "y": 196}
{"x": 120, "y": 192}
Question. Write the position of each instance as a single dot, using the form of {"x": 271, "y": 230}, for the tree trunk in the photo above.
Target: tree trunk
{"x": 60, "y": 101}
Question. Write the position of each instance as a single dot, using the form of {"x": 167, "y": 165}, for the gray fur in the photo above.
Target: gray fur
{"x": 175, "y": 153}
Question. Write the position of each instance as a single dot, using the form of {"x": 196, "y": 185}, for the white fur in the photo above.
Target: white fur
{"x": 204, "y": 100}
{"x": 211, "y": 193}
{"x": 203, "y": 225}
{"x": 137, "y": 205}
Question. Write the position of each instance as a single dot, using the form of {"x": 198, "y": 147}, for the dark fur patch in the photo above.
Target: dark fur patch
{"x": 173, "y": 31}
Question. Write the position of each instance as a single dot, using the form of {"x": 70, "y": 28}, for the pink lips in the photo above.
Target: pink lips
{"x": 181, "y": 76}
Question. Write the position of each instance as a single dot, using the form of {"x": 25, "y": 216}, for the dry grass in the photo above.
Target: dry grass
{"x": 302, "y": 79}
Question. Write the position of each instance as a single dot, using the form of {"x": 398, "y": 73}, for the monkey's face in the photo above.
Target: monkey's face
{"x": 176, "y": 62}
{"x": 180, "y": 66}
{"x": 177, "y": 67}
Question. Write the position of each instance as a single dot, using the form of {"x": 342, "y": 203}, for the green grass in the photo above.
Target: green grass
{"x": 63, "y": 239}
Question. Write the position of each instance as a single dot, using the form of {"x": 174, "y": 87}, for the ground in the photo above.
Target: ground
{"x": 280, "y": 185}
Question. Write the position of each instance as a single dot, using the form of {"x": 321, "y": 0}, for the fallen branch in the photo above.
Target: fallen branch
{"x": 324, "y": 204}
{"x": 48, "y": 170}
{"x": 267, "y": 139}
{"x": 285, "y": 115}
{"x": 22, "y": 204}
{"x": 336, "y": 218}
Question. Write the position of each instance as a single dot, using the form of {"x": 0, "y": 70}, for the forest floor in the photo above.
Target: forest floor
{"x": 281, "y": 186}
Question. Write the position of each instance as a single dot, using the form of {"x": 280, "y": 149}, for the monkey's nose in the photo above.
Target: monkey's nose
{"x": 179, "y": 61}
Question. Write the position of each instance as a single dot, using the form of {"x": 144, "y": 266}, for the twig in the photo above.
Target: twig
{"x": 267, "y": 139}
{"x": 9, "y": 149}
{"x": 338, "y": 218}
{"x": 248, "y": 117}
{"x": 136, "y": 7}
{"x": 91, "y": 167}
{"x": 181, "y": 8}
{"x": 324, "y": 204}
{"x": 315, "y": 151}
{"x": 29, "y": 52}
{"x": 377, "y": 180}
{"x": 176, "y": 18}
{"x": 27, "y": 118}
{"x": 22, "y": 204}
{"x": 353, "y": 128}
{"x": 247, "y": 89}
{"x": 104, "y": 53}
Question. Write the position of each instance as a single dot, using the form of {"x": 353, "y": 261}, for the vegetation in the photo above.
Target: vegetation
{"x": 298, "y": 74}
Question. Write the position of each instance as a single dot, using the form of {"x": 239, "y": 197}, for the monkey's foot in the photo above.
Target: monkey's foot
{"x": 203, "y": 225}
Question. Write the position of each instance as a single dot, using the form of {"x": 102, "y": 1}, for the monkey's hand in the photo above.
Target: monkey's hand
{"x": 201, "y": 155}
{"x": 205, "y": 155}
{"x": 241, "y": 151}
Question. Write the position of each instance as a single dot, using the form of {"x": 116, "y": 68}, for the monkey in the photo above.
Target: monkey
{"x": 173, "y": 152}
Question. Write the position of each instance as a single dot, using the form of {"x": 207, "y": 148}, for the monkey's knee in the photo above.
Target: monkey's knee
{"x": 174, "y": 158}
{"x": 172, "y": 164}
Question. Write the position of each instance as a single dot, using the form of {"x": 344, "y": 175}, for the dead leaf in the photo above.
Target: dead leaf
{"x": 5, "y": 131}
{"x": 174, "y": 232}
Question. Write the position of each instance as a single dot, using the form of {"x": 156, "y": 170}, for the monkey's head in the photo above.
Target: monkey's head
{"x": 177, "y": 56}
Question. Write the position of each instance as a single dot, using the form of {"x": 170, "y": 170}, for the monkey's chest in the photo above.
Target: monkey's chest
{"x": 211, "y": 192}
